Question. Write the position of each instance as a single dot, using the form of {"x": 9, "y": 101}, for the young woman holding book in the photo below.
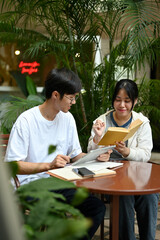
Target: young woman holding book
{"x": 137, "y": 148}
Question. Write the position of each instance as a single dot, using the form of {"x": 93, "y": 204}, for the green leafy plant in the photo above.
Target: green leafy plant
{"x": 49, "y": 216}
{"x": 11, "y": 110}
{"x": 46, "y": 214}
{"x": 69, "y": 30}
{"x": 148, "y": 104}
{"x": 13, "y": 106}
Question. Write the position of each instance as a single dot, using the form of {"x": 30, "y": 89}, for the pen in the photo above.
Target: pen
{"x": 71, "y": 152}
{"x": 115, "y": 168}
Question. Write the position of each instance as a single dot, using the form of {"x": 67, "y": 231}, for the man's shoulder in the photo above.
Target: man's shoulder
{"x": 29, "y": 113}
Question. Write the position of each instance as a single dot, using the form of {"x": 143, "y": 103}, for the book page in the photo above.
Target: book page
{"x": 65, "y": 173}
{"x": 133, "y": 128}
{"x": 135, "y": 123}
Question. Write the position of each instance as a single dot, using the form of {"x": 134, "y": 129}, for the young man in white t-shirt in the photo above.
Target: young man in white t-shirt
{"x": 51, "y": 123}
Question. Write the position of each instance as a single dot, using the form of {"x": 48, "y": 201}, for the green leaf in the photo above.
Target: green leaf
{"x": 35, "y": 98}
{"x": 29, "y": 230}
{"x": 46, "y": 184}
{"x": 65, "y": 229}
{"x": 51, "y": 149}
{"x": 10, "y": 111}
{"x": 80, "y": 195}
{"x": 31, "y": 87}
{"x": 21, "y": 81}
{"x": 13, "y": 166}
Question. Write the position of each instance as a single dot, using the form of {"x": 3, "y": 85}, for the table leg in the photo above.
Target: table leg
{"x": 102, "y": 230}
{"x": 114, "y": 217}
{"x": 102, "y": 224}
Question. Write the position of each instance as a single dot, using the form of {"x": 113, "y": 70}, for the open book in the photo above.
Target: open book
{"x": 67, "y": 173}
{"x": 117, "y": 134}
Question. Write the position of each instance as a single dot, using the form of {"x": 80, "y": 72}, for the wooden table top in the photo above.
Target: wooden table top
{"x": 133, "y": 178}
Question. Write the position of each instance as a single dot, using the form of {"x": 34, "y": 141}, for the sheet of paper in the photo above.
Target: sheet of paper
{"x": 95, "y": 165}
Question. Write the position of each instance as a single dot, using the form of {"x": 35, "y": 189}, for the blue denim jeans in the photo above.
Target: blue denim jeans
{"x": 145, "y": 207}
{"x": 92, "y": 208}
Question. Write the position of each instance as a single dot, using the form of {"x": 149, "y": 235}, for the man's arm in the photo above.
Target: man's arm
{"x": 31, "y": 168}
{"x": 78, "y": 157}
{"x": 59, "y": 161}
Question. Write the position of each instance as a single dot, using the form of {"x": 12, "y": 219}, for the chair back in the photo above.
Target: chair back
{"x": 3, "y": 143}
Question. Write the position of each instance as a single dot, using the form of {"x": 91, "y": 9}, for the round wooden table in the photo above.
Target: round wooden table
{"x": 133, "y": 178}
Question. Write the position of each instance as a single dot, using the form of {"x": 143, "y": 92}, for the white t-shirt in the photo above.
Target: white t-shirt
{"x": 32, "y": 134}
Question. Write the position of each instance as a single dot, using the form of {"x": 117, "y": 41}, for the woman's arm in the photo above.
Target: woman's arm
{"x": 97, "y": 132}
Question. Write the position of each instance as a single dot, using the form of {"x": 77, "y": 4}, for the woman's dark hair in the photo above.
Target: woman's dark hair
{"x": 129, "y": 86}
{"x": 63, "y": 81}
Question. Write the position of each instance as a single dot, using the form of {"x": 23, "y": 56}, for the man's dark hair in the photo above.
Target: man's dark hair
{"x": 63, "y": 81}
{"x": 129, "y": 86}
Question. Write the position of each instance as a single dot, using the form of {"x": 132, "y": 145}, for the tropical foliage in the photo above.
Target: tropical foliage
{"x": 46, "y": 213}
{"x": 68, "y": 30}
{"x": 11, "y": 107}
{"x": 148, "y": 103}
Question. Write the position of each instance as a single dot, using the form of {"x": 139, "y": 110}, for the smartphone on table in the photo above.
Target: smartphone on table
{"x": 84, "y": 172}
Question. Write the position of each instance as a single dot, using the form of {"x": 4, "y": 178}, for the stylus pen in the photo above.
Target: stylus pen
{"x": 71, "y": 152}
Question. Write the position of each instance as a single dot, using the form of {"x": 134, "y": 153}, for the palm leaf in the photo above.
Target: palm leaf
{"x": 10, "y": 111}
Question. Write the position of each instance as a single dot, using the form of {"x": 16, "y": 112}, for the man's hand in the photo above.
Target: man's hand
{"x": 98, "y": 128}
{"x": 105, "y": 156}
{"x": 60, "y": 161}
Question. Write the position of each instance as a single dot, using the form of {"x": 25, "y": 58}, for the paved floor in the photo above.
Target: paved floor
{"x": 106, "y": 229}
